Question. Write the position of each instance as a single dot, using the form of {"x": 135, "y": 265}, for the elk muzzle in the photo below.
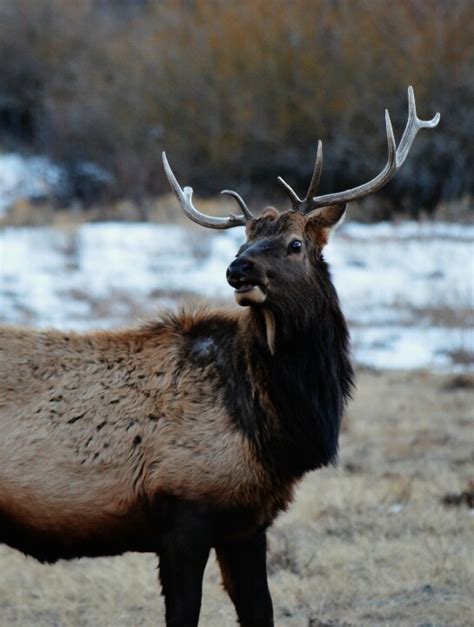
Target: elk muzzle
{"x": 247, "y": 281}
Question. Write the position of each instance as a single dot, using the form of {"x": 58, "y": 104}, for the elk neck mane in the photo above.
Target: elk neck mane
{"x": 301, "y": 378}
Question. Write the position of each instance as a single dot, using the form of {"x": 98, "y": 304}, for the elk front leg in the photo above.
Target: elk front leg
{"x": 243, "y": 565}
{"x": 184, "y": 547}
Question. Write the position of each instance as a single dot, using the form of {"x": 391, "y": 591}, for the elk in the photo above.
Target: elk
{"x": 188, "y": 433}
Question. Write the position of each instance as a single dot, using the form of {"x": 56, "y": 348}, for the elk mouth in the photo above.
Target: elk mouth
{"x": 249, "y": 293}
{"x": 245, "y": 287}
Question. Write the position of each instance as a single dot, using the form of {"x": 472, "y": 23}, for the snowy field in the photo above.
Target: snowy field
{"x": 407, "y": 290}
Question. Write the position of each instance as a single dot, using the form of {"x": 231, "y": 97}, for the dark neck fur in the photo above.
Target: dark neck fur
{"x": 289, "y": 398}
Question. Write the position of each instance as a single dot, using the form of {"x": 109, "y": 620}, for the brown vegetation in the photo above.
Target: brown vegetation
{"x": 241, "y": 90}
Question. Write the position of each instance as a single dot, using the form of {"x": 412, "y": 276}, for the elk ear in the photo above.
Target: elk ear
{"x": 322, "y": 222}
{"x": 270, "y": 213}
{"x": 329, "y": 217}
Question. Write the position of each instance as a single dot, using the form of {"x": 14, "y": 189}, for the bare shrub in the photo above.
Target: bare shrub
{"x": 243, "y": 90}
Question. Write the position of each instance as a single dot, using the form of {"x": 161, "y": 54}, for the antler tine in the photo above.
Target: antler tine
{"x": 296, "y": 201}
{"x": 245, "y": 210}
{"x": 395, "y": 159}
{"x": 185, "y": 200}
{"x": 301, "y": 204}
{"x": 318, "y": 168}
{"x": 414, "y": 124}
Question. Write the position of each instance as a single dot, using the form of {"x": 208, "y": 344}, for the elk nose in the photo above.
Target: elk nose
{"x": 238, "y": 271}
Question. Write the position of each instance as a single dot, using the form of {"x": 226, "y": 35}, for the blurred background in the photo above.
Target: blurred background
{"x": 91, "y": 92}
{"x": 237, "y": 93}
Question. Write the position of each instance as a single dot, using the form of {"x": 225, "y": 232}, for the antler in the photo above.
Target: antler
{"x": 395, "y": 159}
{"x": 185, "y": 199}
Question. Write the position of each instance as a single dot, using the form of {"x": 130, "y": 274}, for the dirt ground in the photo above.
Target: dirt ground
{"x": 370, "y": 542}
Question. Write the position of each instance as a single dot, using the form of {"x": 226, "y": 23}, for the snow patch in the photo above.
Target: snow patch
{"x": 406, "y": 289}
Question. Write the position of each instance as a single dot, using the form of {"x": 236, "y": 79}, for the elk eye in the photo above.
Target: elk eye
{"x": 295, "y": 246}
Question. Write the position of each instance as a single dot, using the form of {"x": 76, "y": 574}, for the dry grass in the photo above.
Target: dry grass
{"x": 161, "y": 209}
{"x": 369, "y": 543}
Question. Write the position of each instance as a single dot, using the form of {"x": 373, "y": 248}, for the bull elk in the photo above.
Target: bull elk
{"x": 188, "y": 433}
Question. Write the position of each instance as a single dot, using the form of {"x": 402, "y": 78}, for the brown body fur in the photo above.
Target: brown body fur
{"x": 96, "y": 426}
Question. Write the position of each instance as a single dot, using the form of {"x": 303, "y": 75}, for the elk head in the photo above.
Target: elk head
{"x": 282, "y": 254}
